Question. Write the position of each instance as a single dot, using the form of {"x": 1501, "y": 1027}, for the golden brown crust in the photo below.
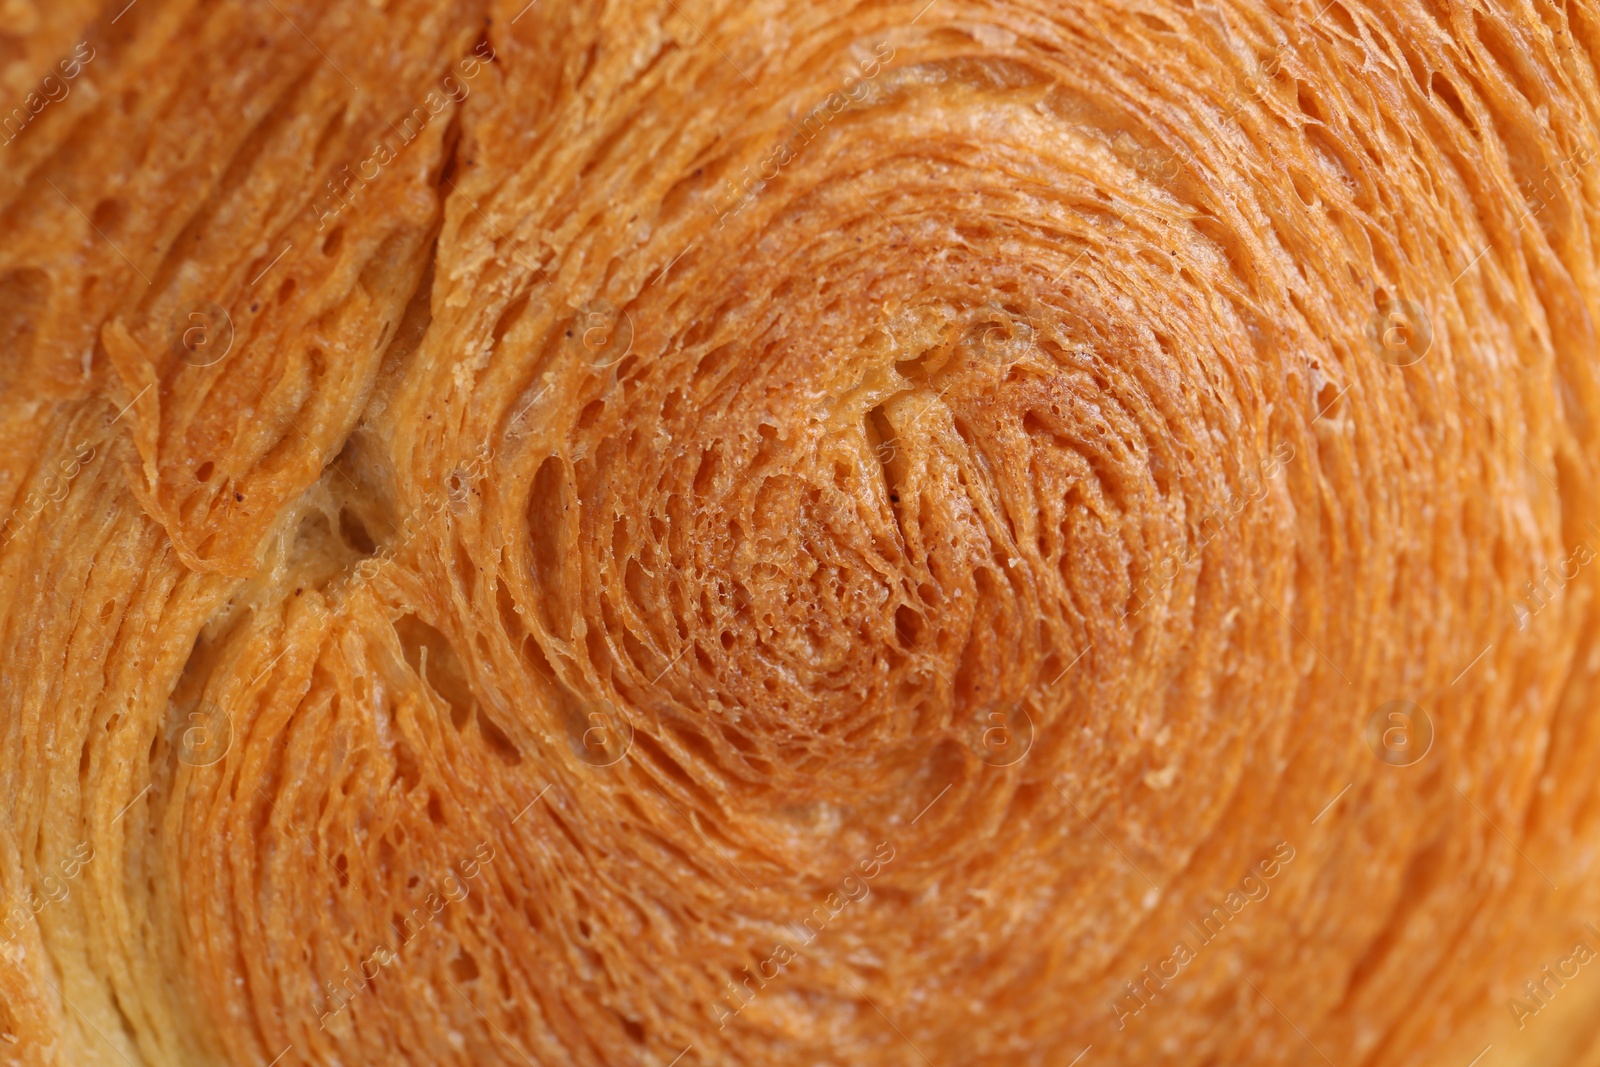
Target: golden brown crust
{"x": 789, "y": 534}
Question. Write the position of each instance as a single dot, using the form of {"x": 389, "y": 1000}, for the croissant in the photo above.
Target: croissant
{"x": 690, "y": 533}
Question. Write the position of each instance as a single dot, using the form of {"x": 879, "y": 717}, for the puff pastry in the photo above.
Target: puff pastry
{"x": 680, "y": 532}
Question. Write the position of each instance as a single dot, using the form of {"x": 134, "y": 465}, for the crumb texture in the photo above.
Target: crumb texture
{"x": 797, "y": 533}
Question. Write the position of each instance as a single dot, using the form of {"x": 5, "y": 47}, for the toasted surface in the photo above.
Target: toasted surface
{"x": 781, "y": 533}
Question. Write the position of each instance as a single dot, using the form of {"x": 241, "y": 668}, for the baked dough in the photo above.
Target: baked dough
{"x": 770, "y": 533}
